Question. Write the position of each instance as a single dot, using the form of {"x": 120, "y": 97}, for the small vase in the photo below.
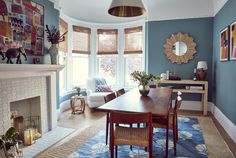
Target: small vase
{"x": 53, "y": 51}
{"x": 144, "y": 90}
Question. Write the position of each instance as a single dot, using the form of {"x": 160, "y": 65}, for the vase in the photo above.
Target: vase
{"x": 53, "y": 51}
{"x": 144, "y": 89}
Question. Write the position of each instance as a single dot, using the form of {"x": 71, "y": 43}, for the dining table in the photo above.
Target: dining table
{"x": 157, "y": 102}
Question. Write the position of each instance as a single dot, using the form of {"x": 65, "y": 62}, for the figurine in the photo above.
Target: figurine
{"x": 14, "y": 53}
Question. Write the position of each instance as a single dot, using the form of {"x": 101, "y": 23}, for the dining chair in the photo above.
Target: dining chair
{"x": 171, "y": 121}
{"x": 128, "y": 135}
{"x": 108, "y": 98}
{"x": 120, "y": 92}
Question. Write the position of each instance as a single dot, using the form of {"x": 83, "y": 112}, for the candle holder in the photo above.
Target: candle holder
{"x": 28, "y": 137}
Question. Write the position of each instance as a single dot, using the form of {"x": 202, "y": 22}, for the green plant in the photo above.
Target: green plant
{"x": 54, "y": 36}
{"x": 142, "y": 77}
{"x": 9, "y": 138}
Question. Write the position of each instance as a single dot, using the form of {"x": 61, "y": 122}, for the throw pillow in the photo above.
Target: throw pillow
{"x": 103, "y": 88}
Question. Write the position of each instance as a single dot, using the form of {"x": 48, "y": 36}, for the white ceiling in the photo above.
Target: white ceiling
{"x": 96, "y": 10}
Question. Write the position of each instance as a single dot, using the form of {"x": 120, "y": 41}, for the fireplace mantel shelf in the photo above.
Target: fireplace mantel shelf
{"x": 30, "y": 67}
{"x": 27, "y": 70}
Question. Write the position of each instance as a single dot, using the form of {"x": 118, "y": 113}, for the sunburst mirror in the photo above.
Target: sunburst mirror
{"x": 180, "y": 48}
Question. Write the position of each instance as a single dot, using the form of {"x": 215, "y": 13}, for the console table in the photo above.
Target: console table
{"x": 203, "y": 91}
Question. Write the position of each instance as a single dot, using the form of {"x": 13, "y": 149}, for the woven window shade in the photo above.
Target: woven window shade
{"x": 107, "y": 41}
{"x": 81, "y": 40}
{"x": 134, "y": 40}
{"x": 63, "y": 28}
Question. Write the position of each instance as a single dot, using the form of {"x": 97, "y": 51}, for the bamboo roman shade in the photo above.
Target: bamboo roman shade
{"x": 134, "y": 40}
{"x": 63, "y": 28}
{"x": 81, "y": 40}
{"x": 107, "y": 41}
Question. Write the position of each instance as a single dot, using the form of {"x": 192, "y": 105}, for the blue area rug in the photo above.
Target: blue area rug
{"x": 190, "y": 144}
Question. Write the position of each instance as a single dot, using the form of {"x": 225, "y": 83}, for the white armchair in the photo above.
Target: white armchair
{"x": 94, "y": 98}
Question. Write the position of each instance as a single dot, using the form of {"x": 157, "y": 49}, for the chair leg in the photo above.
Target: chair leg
{"x": 174, "y": 138}
{"x": 177, "y": 137}
{"x": 107, "y": 127}
{"x": 167, "y": 139}
{"x": 116, "y": 151}
{"x": 112, "y": 151}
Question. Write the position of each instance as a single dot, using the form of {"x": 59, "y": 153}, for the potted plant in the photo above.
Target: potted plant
{"x": 8, "y": 140}
{"x": 143, "y": 80}
{"x": 78, "y": 89}
{"x": 54, "y": 37}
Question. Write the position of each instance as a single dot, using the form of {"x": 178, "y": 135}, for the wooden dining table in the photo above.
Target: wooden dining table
{"x": 157, "y": 102}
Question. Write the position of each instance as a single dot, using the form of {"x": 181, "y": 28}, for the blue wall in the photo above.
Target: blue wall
{"x": 224, "y": 76}
{"x": 201, "y": 29}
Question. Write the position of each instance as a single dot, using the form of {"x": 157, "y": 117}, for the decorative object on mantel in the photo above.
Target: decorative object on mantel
{"x": 180, "y": 48}
{"x": 143, "y": 80}
{"x": 54, "y": 37}
{"x": 202, "y": 67}
{"x": 14, "y": 53}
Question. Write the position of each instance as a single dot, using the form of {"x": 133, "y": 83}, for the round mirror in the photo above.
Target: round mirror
{"x": 179, "y": 48}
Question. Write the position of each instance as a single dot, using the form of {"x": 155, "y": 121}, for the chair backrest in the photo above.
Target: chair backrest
{"x": 130, "y": 118}
{"x": 109, "y": 97}
{"x": 120, "y": 92}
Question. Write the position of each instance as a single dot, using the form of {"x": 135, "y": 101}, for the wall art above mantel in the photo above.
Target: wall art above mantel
{"x": 22, "y": 25}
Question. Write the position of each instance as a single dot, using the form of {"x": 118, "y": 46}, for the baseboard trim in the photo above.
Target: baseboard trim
{"x": 228, "y": 125}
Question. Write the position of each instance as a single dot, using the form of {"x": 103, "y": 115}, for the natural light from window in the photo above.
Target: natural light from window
{"x": 80, "y": 70}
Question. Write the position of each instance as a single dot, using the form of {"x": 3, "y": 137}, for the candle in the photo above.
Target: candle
{"x": 28, "y": 137}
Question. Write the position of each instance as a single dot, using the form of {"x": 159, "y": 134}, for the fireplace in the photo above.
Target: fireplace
{"x": 31, "y": 91}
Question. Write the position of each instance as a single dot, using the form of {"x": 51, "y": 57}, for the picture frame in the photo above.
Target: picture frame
{"x": 233, "y": 41}
{"x": 224, "y": 44}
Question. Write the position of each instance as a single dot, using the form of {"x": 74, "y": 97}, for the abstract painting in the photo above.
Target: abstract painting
{"x": 22, "y": 25}
{"x": 233, "y": 41}
{"x": 224, "y": 44}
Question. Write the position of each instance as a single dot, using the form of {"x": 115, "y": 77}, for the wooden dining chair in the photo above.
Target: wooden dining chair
{"x": 126, "y": 135}
{"x": 108, "y": 98}
{"x": 120, "y": 92}
{"x": 171, "y": 121}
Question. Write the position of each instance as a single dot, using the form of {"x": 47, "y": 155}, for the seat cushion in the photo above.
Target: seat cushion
{"x": 97, "y": 96}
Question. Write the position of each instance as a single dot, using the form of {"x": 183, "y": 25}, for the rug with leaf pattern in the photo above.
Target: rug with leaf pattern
{"x": 190, "y": 144}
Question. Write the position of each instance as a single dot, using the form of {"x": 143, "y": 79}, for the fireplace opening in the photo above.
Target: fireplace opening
{"x": 26, "y": 118}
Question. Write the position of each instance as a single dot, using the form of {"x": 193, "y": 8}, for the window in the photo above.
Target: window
{"x": 133, "y": 53}
{"x": 63, "y": 49}
{"x": 81, "y": 40}
{"x": 63, "y": 72}
{"x": 107, "y": 54}
{"x": 80, "y": 55}
{"x": 107, "y": 41}
{"x": 80, "y": 69}
{"x": 63, "y": 28}
{"x": 132, "y": 62}
{"x": 133, "y": 40}
{"x": 107, "y": 68}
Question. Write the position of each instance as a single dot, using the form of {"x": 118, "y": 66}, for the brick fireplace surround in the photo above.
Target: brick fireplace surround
{"x": 18, "y": 82}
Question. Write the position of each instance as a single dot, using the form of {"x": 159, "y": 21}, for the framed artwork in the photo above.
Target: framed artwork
{"x": 233, "y": 41}
{"x": 22, "y": 25}
{"x": 224, "y": 44}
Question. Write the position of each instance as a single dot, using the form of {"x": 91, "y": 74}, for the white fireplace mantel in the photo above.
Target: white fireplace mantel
{"x": 27, "y": 70}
